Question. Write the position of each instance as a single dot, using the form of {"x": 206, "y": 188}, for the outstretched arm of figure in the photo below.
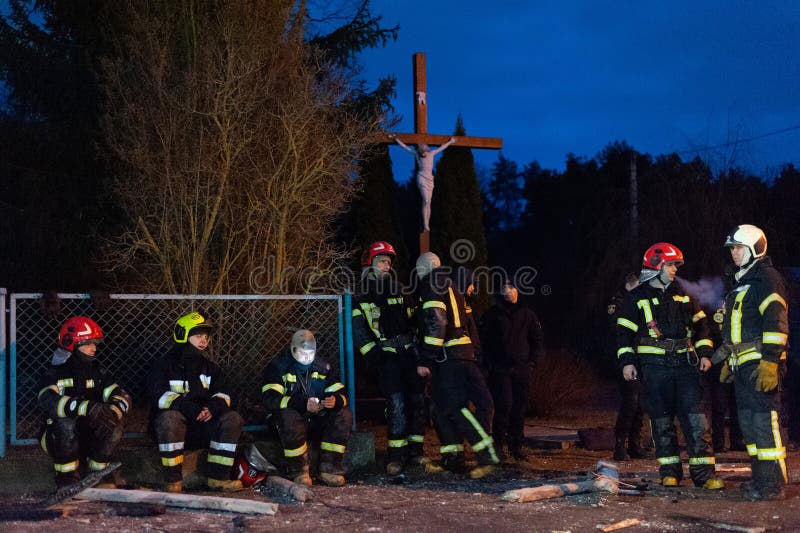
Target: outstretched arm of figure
{"x": 403, "y": 145}
{"x": 442, "y": 147}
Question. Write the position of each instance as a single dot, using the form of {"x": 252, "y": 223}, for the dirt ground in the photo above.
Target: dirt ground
{"x": 447, "y": 502}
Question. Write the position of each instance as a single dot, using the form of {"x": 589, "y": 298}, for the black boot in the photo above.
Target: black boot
{"x": 620, "y": 454}
{"x": 635, "y": 450}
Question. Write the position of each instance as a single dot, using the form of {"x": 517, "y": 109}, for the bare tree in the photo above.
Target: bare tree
{"x": 234, "y": 148}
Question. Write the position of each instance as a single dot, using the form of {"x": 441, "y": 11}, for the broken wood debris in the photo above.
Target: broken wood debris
{"x": 606, "y": 480}
{"x": 186, "y": 501}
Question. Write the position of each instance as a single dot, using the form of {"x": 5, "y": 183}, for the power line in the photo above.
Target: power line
{"x": 740, "y": 141}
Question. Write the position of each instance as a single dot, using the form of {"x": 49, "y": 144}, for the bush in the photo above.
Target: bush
{"x": 560, "y": 380}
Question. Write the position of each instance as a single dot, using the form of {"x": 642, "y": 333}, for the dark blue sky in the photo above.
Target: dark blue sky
{"x": 572, "y": 76}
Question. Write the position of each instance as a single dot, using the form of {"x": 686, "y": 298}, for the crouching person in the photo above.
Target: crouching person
{"x": 302, "y": 392}
{"x": 85, "y": 407}
{"x": 191, "y": 407}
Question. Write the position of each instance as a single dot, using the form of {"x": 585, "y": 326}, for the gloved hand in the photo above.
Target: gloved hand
{"x": 766, "y": 376}
{"x": 725, "y": 374}
{"x": 102, "y": 418}
{"x": 721, "y": 354}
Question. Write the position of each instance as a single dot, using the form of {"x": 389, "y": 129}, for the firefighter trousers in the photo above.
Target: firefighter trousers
{"x": 406, "y": 416}
{"x": 510, "y": 391}
{"x": 220, "y": 435}
{"x": 68, "y": 440}
{"x": 758, "y": 417}
{"x": 334, "y": 429}
{"x": 456, "y": 383}
{"x": 670, "y": 389}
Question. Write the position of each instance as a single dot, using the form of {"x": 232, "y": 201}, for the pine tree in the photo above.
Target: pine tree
{"x": 457, "y": 211}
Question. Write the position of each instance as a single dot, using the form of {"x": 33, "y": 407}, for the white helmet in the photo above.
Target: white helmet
{"x": 751, "y": 237}
{"x": 304, "y": 347}
{"x": 426, "y": 263}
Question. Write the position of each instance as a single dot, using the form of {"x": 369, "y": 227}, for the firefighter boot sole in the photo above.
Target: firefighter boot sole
{"x": 714, "y": 483}
{"x": 331, "y": 480}
{"x": 225, "y": 485}
{"x": 481, "y": 471}
{"x": 669, "y": 481}
{"x": 303, "y": 480}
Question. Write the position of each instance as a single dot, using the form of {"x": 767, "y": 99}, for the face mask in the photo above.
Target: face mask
{"x": 303, "y": 356}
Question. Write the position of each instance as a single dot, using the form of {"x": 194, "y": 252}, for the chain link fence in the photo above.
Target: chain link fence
{"x": 249, "y": 332}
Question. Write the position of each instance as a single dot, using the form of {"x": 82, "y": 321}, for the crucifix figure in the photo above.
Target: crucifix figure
{"x": 424, "y": 157}
{"x": 422, "y": 141}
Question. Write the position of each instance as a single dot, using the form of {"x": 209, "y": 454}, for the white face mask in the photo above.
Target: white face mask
{"x": 304, "y": 356}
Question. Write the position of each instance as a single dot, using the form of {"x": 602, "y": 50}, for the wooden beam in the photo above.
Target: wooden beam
{"x": 494, "y": 143}
{"x": 187, "y": 501}
{"x": 420, "y": 94}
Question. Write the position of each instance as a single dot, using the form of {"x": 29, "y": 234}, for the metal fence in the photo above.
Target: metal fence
{"x": 250, "y": 331}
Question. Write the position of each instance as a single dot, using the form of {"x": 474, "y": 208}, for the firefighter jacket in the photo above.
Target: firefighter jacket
{"x": 186, "y": 381}
{"x": 511, "y": 336}
{"x": 656, "y": 322}
{"x": 69, "y": 389}
{"x": 756, "y": 322}
{"x": 381, "y": 320}
{"x": 288, "y": 384}
{"x": 443, "y": 321}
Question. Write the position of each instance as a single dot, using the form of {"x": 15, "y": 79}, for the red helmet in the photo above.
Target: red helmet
{"x": 78, "y": 330}
{"x": 660, "y": 253}
{"x": 251, "y": 466}
{"x": 377, "y": 248}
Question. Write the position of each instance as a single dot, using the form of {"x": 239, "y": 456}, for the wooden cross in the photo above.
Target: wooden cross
{"x": 421, "y": 135}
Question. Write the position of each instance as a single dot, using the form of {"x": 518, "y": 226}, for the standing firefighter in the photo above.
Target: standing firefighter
{"x": 301, "y": 391}
{"x": 382, "y": 333}
{"x": 662, "y": 328}
{"x": 191, "y": 407}
{"x": 754, "y": 334}
{"x": 85, "y": 407}
{"x": 446, "y": 353}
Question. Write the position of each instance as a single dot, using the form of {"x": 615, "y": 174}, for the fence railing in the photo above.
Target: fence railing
{"x": 249, "y": 331}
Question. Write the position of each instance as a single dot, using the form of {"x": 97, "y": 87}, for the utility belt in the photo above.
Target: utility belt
{"x": 663, "y": 346}
{"x": 454, "y": 352}
{"x": 670, "y": 352}
{"x": 743, "y": 352}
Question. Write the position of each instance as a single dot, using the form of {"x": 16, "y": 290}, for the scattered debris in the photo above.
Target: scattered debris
{"x": 622, "y": 524}
{"x": 186, "y": 501}
{"x": 706, "y": 523}
{"x": 276, "y": 486}
{"x": 606, "y": 480}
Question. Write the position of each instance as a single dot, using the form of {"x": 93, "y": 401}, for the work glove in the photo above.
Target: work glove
{"x": 766, "y": 376}
{"x": 725, "y": 374}
{"x": 103, "y": 419}
{"x": 721, "y": 354}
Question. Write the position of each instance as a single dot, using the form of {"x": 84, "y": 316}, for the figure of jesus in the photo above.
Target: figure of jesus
{"x": 424, "y": 157}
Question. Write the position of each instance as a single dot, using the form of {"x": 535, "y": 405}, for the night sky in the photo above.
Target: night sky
{"x": 572, "y": 76}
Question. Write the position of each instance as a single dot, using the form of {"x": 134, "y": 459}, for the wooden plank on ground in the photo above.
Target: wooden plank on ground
{"x": 186, "y": 501}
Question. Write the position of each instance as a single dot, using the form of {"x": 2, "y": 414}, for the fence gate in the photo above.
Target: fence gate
{"x": 250, "y": 331}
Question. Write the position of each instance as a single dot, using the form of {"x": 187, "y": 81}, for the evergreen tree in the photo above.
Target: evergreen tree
{"x": 457, "y": 211}
{"x": 503, "y": 203}
{"x": 375, "y": 212}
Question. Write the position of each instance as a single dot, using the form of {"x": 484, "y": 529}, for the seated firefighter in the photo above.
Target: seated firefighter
{"x": 85, "y": 407}
{"x": 191, "y": 407}
{"x": 302, "y": 392}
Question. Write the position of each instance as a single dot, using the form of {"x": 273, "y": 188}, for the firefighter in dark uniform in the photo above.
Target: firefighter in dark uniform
{"x": 446, "y": 353}
{"x": 302, "y": 392}
{"x": 382, "y": 334}
{"x": 668, "y": 333}
{"x": 755, "y": 333}
{"x": 85, "y": 407}
{"x": 513, "y": 342}
{"x": 191, "y": 407}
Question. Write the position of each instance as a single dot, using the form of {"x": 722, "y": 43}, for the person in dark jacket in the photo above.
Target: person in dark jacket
{"x": 382, "y": 334}
{"x": 628, "y": 428}
{"x": 446, "y": 354}
{"x": 85, "y": 407}
{"x": 302, "y": 392}
{"x": 191, "y": 407}
{"x": 512, "y": 342}
{"x": 755, "y": 333}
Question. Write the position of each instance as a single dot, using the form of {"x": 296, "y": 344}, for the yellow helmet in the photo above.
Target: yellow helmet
{"x": 189, "y": 325}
